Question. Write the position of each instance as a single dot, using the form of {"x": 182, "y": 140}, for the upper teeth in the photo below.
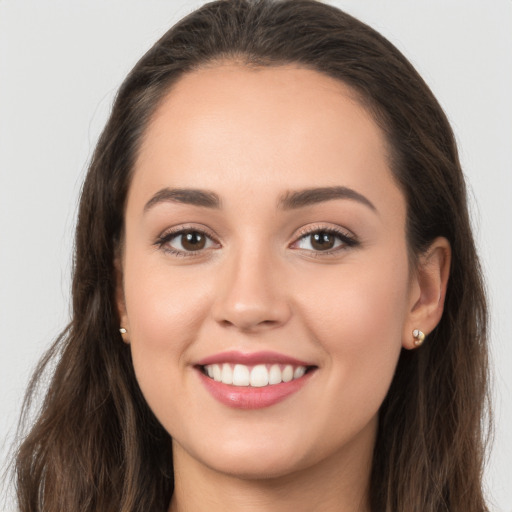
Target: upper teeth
{"x": 255, "y": 376}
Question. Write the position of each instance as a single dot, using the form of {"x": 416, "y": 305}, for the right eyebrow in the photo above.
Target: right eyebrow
{"x": 191, "y": 196}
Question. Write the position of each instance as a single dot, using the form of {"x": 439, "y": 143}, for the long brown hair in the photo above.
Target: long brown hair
{"x": 95, "y": 444}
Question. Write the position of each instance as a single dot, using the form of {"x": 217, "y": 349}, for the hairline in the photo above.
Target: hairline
{"x": 255, "y": 63}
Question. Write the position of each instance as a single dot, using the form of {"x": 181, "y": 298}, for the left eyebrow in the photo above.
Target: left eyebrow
{"x": 191, "y": 196}
{"x": 310, "y": 196}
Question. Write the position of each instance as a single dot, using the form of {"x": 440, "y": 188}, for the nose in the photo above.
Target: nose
{"x": 251, "y": 294}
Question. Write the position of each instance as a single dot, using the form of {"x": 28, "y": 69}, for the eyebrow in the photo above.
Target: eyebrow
{"x": 310, "y": 196}
{"x": 291, "y": 200}
{"x": 191, "y": 196}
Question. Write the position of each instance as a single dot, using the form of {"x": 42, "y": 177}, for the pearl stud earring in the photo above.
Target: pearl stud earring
{"x": 122, "y": 330}
{"x": 419, "y": 337}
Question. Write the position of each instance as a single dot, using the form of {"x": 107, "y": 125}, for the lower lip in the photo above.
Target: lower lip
{"x": 252, "y": 397}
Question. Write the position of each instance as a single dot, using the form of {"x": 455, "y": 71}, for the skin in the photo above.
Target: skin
{"x": 250, "y": 136}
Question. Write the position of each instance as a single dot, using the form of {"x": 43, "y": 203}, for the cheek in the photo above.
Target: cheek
{"x": 363, "y": 298}
{"x": 161, "y": 302}
{"x": 357, "y": 317}
{"x": 165, "y": 315}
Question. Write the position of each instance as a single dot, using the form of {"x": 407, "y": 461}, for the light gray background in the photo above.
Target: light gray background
{"x": 60, "y": 64}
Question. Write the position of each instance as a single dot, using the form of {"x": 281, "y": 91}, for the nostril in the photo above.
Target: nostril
{"x": 248, "y": 324}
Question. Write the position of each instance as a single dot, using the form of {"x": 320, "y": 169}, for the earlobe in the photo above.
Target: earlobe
{"x": 431, "y": 281}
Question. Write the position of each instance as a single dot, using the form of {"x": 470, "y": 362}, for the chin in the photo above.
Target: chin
{"x": 252, "y": 459}
{"x": 252, "y": 467}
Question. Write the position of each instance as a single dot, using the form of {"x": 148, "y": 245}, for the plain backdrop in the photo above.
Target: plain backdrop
{"x": 60, "y": 65}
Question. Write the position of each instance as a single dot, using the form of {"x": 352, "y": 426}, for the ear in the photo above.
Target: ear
{"x": 428, "y": 290}
{"x": 120, "y": 300}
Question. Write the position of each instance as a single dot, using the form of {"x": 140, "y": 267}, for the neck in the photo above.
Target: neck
{"x": 338, "y": 483}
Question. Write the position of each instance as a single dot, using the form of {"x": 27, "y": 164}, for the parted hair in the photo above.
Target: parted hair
{"x": 95, "y": 445}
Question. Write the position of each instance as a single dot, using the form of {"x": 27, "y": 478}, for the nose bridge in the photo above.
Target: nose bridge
{"x": 251, "y": 295}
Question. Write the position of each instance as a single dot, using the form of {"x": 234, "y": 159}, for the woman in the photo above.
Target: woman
{"x": 277, "y": 303}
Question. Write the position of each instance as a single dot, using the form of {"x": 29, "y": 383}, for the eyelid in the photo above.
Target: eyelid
{"x": 332, "y": 228}
{"x": 348, "y": 238}
{"x": 170, "y": 233}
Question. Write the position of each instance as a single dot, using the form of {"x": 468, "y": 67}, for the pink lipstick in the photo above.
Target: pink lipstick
{"x": 253, "y": 381}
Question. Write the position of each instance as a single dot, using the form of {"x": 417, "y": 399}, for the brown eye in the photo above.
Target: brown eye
{"x": 322, "y": 240}
{"x": 186, "y": 242}
{"x": 193, "y": 241}
{"x": 325, "y": 240}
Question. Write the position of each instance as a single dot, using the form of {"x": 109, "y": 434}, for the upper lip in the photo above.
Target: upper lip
{"x": 251, "y": 359}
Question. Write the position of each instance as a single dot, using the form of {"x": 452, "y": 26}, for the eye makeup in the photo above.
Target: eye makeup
{"x": 186, "y": 241}
{"x": 318, "y": 240}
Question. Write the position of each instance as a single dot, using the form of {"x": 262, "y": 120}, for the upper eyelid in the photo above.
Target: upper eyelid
{"x": 300, "y": 233}
{"x": 347, "y": 237}
{"x": 163, "y": 244}
{"x": 312, "y": 228}
{"x": 182, "y": 228}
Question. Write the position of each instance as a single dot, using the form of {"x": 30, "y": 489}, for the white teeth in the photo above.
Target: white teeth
{"x": 240, "y": 375}
{"x": 299, "y": 372}
{"x": 227, "y": 374}
{"x": 217, "y": 372}
{"x": 288, "y": 373}
{"x": 274, "y": 376}
{"x": 256, "y": 376}
{"x": 259, "y": 376}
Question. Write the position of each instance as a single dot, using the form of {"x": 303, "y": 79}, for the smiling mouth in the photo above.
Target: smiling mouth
{"x": 256, "y": 376}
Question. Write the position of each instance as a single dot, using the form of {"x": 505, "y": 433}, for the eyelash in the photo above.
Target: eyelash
{"x": 347, "y": 240}
{"x": 163, "y": 240}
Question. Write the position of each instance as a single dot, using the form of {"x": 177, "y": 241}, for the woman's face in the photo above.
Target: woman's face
{"x": 265, "y": 237}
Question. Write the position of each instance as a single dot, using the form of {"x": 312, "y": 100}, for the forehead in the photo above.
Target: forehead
{"x": 232, "y": 127}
